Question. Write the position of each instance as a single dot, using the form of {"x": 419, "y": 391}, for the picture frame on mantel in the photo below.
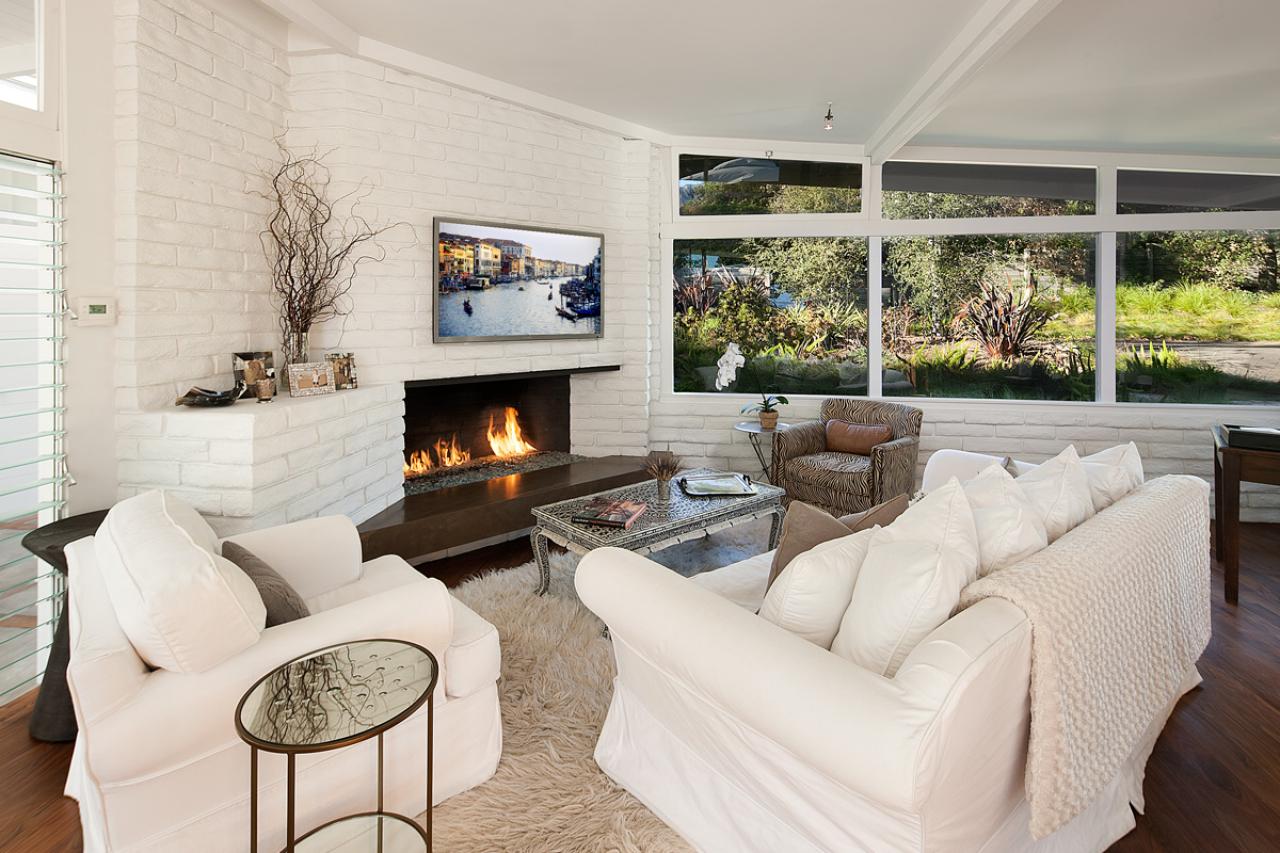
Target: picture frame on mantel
{"x": 311, "y": 379}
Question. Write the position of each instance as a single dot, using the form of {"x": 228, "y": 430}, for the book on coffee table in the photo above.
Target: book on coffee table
{"x": 610, "y": 512}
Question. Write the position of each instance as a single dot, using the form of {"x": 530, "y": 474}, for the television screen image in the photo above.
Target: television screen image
{"x": 501, "y": 282}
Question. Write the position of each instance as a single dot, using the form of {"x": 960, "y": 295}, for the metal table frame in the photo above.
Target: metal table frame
{"x": 291, "y": 752}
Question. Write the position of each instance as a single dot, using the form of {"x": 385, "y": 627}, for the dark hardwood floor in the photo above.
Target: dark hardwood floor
{"x": 1213, "y": 782}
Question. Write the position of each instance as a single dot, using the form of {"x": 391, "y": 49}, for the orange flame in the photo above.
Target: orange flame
{"x": 509, "y": 441}
{"x": 447, "y": 455}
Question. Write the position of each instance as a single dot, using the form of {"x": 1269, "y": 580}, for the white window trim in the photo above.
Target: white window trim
{"x": 35, "y": 131}
{"x": 871, "y": 224}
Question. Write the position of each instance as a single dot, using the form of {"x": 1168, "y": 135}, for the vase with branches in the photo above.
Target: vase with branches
{"x": 313, "y": 252}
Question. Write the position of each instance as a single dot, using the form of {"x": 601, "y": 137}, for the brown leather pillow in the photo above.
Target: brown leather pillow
{"x": 806, "y": 526}
{"x": 844, "y": 437}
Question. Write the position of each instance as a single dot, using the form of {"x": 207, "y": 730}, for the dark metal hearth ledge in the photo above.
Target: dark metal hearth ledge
{"x": 500, "y": 377}
{"x": 452, "y": 517}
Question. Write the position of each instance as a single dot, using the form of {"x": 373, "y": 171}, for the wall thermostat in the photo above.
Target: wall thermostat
{"x": 95, "y": 311}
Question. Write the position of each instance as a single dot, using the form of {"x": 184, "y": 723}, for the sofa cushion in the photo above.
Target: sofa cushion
{"x": 818, "y": 468}
{"x": 910, "y": 581}
{"x": 844, "y": 437}
{"x": 1009, "y": 527}
{"x": 1059, "y": 490}
{"x": 803, "y": 527}
{"x": 743, "y": 582}
{"x": 812, "y": 593}
{"x": 882, "y": 514}
{"x": 1112, "y": 474}
{"x": 281, "y": 600}
{"x": 473, "y": 660}
{"x": 183, "y": 607}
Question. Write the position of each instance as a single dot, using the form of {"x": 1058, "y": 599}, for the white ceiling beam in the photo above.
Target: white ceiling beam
{"x": 997, "y": 25}
{"x": 315, "y": 22}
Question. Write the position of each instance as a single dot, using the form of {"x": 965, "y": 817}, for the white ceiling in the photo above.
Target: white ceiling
{"x": 1177, "y": 76}
{"x": 1194, "y": 76}
{"x": 738, "y": 68}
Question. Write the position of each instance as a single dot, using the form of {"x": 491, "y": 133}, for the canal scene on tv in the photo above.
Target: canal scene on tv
{"x": 497, "y": 282}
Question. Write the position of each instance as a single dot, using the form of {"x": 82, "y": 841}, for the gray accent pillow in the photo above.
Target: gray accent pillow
{"x": 282, "y": 601}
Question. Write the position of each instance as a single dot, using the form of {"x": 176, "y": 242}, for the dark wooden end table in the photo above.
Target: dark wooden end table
{"x": 53, "y": 719}
{"x": 1232, "y": 466}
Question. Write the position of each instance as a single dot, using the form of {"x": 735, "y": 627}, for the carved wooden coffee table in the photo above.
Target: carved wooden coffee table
{"x": 664, "y": 523}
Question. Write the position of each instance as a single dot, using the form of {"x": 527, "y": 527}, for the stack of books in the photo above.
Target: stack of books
{"x": 609, "y": 512}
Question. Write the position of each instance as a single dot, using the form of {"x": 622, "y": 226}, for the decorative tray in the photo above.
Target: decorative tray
{"x": 1253, "y": 437}
{"x": 717, "y": 486}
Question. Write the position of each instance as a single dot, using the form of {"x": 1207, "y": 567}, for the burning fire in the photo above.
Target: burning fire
{"x": 509, "y": 441}
{"x": 447, "y": 455}
{"x": 506, "y": 441}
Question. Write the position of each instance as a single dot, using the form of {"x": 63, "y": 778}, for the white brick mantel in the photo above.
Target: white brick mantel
{"x": 252, "y": 465}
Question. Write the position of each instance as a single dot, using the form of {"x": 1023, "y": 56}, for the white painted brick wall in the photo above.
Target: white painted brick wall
{"x": 423, "y": 149}
{"x": 199, "y": 101}
{"x": 256, "y": 464}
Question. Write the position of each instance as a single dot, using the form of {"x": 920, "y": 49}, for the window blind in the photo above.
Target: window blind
{"x": 33, "y": 469}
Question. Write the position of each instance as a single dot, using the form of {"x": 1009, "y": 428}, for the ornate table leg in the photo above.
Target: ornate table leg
{"x": 775, "y": 526}
{"x": 543, "y": 558}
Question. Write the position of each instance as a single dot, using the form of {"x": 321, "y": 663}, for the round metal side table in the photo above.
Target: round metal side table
{"x": 329, "y": 699}
{"x": 754, "y": 431}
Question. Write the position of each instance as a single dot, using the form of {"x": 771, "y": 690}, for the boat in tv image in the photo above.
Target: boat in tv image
{"x": 507, "y": 282}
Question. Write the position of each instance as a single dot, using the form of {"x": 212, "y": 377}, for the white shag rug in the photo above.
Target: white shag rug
{"x": 557, "y": 680}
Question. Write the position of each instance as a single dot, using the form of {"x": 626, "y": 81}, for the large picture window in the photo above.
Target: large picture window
{"x": 796, "y": 307}
{"x": 989, "y": 316}
{"x": 1197, "y": 317}
{"x": 725, "y": 186}
{"x": 986, "y": 279}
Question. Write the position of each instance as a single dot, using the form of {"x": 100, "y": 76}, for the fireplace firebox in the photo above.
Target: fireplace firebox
{"x": 479, "y": 427}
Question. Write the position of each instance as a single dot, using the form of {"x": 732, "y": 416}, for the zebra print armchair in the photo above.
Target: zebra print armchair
{"x": 842, "y": 483}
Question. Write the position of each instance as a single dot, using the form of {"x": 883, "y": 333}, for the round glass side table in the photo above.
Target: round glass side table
{"x": 328, "y": 699}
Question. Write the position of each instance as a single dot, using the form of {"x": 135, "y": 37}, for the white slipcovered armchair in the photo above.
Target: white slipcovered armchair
{"x": 158, "y": 764}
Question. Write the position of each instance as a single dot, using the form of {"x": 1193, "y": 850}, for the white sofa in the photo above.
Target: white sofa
{"x": 744, "y": 737}
{"x": 158, "y": 765}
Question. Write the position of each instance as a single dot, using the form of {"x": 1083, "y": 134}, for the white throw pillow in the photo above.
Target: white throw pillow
{"x": 1113, "y": 473}
{"x": 1059, "y": 490}
{"x": 910, "y": 580}
{"x": 182, "y": 606}
{"x": 1009, "y": 527}
{"x": 813, "y": 591}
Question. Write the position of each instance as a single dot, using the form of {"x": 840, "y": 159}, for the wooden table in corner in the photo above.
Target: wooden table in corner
{"x": 1231, "y": 467}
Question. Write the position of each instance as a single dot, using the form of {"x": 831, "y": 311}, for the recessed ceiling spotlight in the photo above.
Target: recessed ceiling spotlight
{"x": 828, "y": 118}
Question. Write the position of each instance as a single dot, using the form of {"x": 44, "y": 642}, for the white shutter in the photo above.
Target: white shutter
{"x": 33, "y": 472}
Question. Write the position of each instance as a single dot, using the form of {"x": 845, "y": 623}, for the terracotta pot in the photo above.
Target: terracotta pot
{"x": 769, "y": 420}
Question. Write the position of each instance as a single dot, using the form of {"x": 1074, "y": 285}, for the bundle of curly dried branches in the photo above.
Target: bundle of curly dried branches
{"x": 313, "y": 258}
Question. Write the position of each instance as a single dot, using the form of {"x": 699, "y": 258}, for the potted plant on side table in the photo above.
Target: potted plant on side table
{"x": 768, "y": 409}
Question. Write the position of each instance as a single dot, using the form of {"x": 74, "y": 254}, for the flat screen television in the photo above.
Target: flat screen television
{"x": 496, "y": 282}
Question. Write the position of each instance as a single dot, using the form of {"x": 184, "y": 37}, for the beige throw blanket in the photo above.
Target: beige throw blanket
{"x": 1119, "y": 611}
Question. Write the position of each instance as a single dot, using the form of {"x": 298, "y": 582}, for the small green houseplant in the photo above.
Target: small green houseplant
{"x": 768, "y": 409}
